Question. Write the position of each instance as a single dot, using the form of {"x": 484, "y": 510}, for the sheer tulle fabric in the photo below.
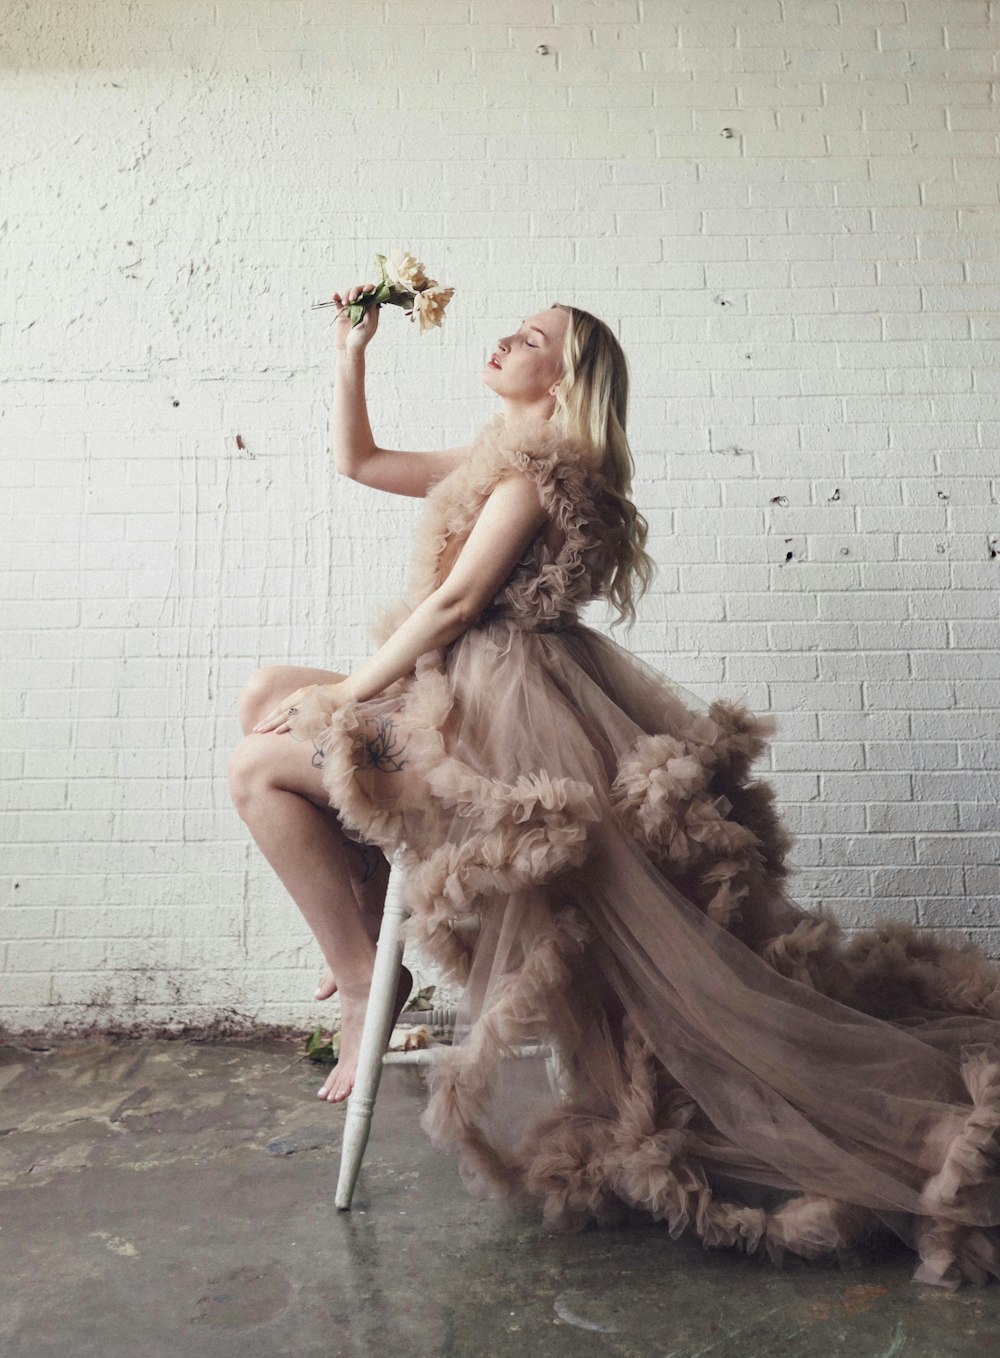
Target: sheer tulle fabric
{"x": 586, "y": 852}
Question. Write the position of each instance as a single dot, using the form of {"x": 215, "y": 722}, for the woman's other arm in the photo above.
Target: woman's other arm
{"x": 507, "y": 524}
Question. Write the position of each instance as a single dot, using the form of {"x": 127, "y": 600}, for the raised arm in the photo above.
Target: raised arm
{"x": 355, "y": 453}
{"x": 351, "y": 438}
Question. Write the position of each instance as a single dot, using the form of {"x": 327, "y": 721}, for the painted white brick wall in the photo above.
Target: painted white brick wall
{"x": 789, "y": 214}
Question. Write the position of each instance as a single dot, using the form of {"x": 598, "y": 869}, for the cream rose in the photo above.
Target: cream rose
{"x": 407, "y": 272}
{"x": 429, "y": 304}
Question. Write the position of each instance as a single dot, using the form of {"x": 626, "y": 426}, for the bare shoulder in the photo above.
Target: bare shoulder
{"x": 399, "y": 472}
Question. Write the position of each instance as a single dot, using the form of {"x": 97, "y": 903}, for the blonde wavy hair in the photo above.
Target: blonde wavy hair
{"x": 592, "y": 403}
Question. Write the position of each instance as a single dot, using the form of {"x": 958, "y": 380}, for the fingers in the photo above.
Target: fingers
{"x": 277, "y": 718}
{"x": 353, "y": 294}
{"x": 272, "y": 722}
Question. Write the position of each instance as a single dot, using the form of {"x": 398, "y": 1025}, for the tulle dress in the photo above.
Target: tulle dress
{"x": 586, "y": 854}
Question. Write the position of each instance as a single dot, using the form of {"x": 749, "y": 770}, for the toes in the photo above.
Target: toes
{"x": 332, "y": 1091}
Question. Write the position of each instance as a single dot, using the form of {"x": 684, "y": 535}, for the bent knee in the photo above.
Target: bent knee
{"x": 247, "y": 768}
{"x": 262, "y": 691}
{"x": 262, "y": 683}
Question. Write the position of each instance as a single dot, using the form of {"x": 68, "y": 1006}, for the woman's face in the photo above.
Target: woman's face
{"x": 530, "y": 360}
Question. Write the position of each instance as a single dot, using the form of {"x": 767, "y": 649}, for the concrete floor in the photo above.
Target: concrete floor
{"x": 170, "y": 1197}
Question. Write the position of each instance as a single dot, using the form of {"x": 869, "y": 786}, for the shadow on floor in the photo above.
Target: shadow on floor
{"x": 169, "y": 1197}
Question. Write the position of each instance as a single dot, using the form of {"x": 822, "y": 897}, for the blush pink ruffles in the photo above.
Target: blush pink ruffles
{"x": 587, "y": 854}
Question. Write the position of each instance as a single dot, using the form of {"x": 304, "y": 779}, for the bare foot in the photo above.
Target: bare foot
{"x": 340, "y": 1081}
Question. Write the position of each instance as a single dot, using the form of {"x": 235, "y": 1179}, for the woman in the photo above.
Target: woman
{"x": 586, "y": 854}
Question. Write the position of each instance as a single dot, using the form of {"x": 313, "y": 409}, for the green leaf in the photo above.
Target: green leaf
{"x": 314, "y": 1042}
{"x": 318, "y": 1050}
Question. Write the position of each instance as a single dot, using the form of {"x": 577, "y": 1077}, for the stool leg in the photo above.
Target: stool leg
{"x": 555, "y": 1070}
{"x": 375, "y": 1035}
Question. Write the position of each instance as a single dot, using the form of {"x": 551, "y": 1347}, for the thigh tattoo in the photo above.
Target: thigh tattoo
{"x": 383, "y": 751}
{"x": 380, "y": 754}
{"x": 369, "y": 858}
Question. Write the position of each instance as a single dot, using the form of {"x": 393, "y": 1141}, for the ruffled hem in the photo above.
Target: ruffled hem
{"x": 646, "y": 1160}
{"x": 643, "y": 1160}
{"x": 488, "y": 837}
{"x": 952, "y": 1254}
{"x": 892, "y": 971}
{"x": 667, "y": 792}
{"x": 951, "y": 1250}
{"x": 973, "y": 1152}
{"x": 530, "y": 1003}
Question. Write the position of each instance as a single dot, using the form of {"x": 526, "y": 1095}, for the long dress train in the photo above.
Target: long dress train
{"x": 586, "y": 853}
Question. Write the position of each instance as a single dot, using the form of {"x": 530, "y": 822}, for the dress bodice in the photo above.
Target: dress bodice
{"x": 571, "y": 559}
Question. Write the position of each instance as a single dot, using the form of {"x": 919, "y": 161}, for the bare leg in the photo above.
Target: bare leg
{"x": 370, "y": 879}
{"x": 368, "y": 866}
{"x": 276, "y": 787}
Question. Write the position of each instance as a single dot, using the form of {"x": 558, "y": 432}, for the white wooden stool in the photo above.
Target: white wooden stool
{"x": 375, "y": 1035}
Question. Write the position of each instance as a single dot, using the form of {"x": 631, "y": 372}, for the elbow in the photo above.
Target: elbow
{"x": 350, "y": 459}
{"x": 459, "y": 611}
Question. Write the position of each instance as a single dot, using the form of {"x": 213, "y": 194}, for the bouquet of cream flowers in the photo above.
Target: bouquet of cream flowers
{"x": 405, "y": 284}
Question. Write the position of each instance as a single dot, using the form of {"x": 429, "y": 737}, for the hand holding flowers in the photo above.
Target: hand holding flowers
{"x": 404, "y": 283}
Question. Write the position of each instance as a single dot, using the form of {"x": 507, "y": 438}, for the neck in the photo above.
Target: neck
{"x": 517, "y": 411}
